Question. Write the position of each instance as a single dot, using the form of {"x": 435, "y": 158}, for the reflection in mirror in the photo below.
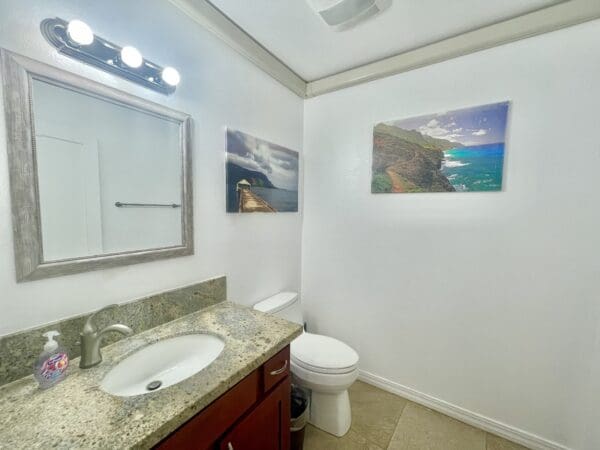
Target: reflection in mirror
{"x": 92, "y": 154}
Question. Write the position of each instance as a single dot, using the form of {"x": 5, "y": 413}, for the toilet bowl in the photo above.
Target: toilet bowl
{"x": 327, "y": 367}
{"x": 322, "y": 364}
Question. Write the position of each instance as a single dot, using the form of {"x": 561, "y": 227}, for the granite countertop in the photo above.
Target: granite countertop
{"x": 76, "y": 413}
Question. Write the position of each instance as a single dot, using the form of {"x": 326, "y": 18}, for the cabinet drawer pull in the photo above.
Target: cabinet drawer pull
{"x": 280, "y": 371}
{"x": 229, "y": 446}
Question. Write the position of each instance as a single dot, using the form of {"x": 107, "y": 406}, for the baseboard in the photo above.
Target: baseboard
{"x": 477, "y": 420}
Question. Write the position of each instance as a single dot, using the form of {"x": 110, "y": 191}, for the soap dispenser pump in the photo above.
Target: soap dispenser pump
{"x": 51, "y": 365}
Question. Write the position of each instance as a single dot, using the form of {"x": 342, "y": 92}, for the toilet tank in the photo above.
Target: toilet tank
{"x": 284, "y": 304}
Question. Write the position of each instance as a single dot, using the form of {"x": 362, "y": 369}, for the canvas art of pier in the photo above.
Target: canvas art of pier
{"x": 261, "y": 176}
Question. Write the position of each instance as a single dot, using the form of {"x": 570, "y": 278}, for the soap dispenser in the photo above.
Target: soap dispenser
{"x": 51, "y": 365}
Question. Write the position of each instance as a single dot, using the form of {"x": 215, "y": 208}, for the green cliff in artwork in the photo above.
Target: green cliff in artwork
{"x": 408, "y": 161}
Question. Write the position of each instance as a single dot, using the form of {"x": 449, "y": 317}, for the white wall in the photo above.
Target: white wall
{"x": 260, "y": 254}
{"x": 483, "y": 300}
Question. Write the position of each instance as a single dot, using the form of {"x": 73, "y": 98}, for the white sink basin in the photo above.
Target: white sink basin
{"x": 162, "y": 364}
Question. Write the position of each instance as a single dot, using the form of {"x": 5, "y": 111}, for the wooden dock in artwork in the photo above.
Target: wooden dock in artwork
{"x": 250, "y": 202}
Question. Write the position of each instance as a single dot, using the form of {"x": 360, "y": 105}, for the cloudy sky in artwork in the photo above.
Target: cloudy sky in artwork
{"x": 278, "y": 163}
{"x": 479, "y": 125}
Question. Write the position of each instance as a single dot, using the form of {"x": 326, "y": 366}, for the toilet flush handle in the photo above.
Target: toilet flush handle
{"x": 280, "y": 371}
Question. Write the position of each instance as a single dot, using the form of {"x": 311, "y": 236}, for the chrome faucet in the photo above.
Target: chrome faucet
{"x": 90, "y": 339}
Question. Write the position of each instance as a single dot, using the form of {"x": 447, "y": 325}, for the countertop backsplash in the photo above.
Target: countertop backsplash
{"x": 19, "y": 350}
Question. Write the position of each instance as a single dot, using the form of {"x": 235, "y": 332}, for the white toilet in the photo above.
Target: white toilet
{"x": 324, "y": 365}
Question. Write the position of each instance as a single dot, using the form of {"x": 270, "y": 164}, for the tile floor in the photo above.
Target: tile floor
{"x": 381, "y": 420}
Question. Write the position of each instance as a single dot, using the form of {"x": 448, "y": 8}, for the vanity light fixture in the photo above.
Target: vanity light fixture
{"x": 77, "y": 40}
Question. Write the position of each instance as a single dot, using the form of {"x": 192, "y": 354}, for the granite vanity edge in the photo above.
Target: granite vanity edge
{"x": 19, "y": 350}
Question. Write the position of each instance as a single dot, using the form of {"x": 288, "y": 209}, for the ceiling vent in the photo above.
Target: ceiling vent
{"x": 344, "y": 14}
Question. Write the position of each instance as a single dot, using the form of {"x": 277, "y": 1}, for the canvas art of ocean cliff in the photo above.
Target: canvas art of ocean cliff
{"x": 261, "y": 176}
{"x": 454, "y": 151}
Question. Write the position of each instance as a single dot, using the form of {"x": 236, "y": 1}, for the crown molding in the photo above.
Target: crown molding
{"x": 534, "y": 23}
{"x": 550, "y": 18}
{"x": 211, "y": 18}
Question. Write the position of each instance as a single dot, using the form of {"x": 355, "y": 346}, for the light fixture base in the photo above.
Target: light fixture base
{"x": 104, "y": 55}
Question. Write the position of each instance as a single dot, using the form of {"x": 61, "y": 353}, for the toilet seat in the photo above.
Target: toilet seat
{"x": 325, "y": 371}
{"x": 323, "y": 354}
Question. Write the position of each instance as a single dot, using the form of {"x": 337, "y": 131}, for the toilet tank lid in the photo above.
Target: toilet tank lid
{"x": 277, "y": 302}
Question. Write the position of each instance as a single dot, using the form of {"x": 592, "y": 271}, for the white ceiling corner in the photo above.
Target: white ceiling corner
{"x": 290, "y": 41}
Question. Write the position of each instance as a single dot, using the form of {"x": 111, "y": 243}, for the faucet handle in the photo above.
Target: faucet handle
{"x": 89, "y": 327}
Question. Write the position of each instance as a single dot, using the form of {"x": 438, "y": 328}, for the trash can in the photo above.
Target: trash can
{"x": 300, "y": 398}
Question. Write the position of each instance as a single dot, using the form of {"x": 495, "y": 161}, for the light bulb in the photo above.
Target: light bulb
{"x": 171, "y": 76}
{"x": 80, "y": 32}
{"x": 131, "y": 56}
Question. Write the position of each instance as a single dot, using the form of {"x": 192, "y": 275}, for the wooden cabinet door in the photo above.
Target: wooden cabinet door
{"x": 266, "y": 427}
{"x": 202, "y": 432}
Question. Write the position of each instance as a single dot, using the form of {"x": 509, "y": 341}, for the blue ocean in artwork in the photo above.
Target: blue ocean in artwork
{"x": 280, "y": 199}
{"x": 475, "y": 168}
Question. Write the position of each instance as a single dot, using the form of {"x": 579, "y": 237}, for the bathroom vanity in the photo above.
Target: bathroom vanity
{"x": 239, "y": 401}
{"x": 254, "y": 414}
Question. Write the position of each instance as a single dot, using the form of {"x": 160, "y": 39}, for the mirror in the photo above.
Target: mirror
{"x": 100, "y": 165}
{"x": 98, "y": 177}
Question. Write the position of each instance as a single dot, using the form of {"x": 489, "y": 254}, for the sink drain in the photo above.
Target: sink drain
{"x": 153, "y": 385}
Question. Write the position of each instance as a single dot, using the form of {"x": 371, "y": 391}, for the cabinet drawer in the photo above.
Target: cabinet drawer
{"x": 276, "y": 369}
